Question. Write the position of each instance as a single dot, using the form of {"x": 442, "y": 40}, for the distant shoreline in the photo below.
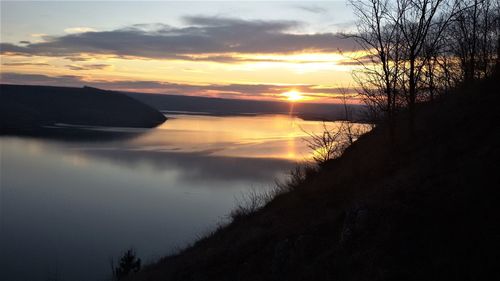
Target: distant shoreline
{"x": 305, "y": 117}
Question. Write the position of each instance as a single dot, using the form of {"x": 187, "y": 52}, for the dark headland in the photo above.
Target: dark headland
{"x": 419, "y": 205}
{"x": 29, "y": 109}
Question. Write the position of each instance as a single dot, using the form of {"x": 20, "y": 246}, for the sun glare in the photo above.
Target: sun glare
{"x": 293, "y": 96}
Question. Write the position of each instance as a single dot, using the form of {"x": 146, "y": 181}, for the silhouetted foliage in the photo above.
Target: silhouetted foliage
{"x": 252, "y": 201}
{"x": 249, "y": 203}
{"x": 417, "y": 49}
{"x": 297, "y": 177}
{"x": 329, "y": 144}
{"x": 335, "y": 137}
{"x": 129, "y": 263}
{"x": 473, "y": 38}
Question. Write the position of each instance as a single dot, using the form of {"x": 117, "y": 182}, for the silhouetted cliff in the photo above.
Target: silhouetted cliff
{"x": 25, "y": 108}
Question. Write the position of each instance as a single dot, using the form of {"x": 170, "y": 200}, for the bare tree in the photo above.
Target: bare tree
{"x": 496, "y": 28}
{"x": 378, "y": 35}
{"x": 435, "y": 64}
{"x": 416, "y": 49}
{"x": 474, "y": 36}
{"x": 419, "y": 19}
{"x": 405, "y": 41}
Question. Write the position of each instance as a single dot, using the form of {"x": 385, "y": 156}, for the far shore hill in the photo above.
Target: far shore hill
{"x": 26, "y": 109}
{"x": 239, "y": 107}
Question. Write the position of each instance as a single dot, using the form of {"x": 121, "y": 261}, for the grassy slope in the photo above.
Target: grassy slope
{"x": 419, "y": 208}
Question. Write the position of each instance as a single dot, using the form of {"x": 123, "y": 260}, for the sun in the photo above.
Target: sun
{"x": 293, "y": 96}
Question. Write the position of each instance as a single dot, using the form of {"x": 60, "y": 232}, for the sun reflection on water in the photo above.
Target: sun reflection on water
{"x": 266, "y": 136}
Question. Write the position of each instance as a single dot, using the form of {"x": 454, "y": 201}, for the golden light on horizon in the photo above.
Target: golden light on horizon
{"x": 309, "y": 71}
{"x": 293, "y": 96}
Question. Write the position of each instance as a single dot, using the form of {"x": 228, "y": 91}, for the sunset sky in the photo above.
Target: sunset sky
{"x": 252, "y": 50}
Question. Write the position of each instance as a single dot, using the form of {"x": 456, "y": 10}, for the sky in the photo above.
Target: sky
{"x": 250, "y": 50}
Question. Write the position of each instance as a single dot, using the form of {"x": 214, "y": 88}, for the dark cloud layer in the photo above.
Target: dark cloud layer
{"x": 39, "y": 79}
{"x": 25, "y": 64}
{"x": 228, "y": 91}
{"x": 208, "y": 36}
{"x": 88, "y": 66}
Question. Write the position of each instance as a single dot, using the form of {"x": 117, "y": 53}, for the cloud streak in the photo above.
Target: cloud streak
{"x": 312, "y": 9}
{"x": 214, "y": 38}
{"x": 98, "y": 66}
{"x": 25, "y": 64}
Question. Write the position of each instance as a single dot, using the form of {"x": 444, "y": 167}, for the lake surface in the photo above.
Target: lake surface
{"x": 68, "y": 207}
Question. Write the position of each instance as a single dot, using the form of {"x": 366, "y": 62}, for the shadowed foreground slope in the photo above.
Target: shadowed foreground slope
{"x": 422, "y": 207}
{"x": 25, "y": 109}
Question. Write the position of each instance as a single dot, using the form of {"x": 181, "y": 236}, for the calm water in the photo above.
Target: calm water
{"x": 67, "y": 207}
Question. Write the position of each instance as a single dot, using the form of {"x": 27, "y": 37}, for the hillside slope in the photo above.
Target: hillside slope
{"x": 422, "y": 206}
{"x": 25, "y": 108}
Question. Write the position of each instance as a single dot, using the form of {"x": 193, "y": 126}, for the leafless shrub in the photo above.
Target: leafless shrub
{"x": 250, "y": 202}
{"x": 297, "y": 177}
{"x": 334, "y": 139}
{"x": 327, "y": 145}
